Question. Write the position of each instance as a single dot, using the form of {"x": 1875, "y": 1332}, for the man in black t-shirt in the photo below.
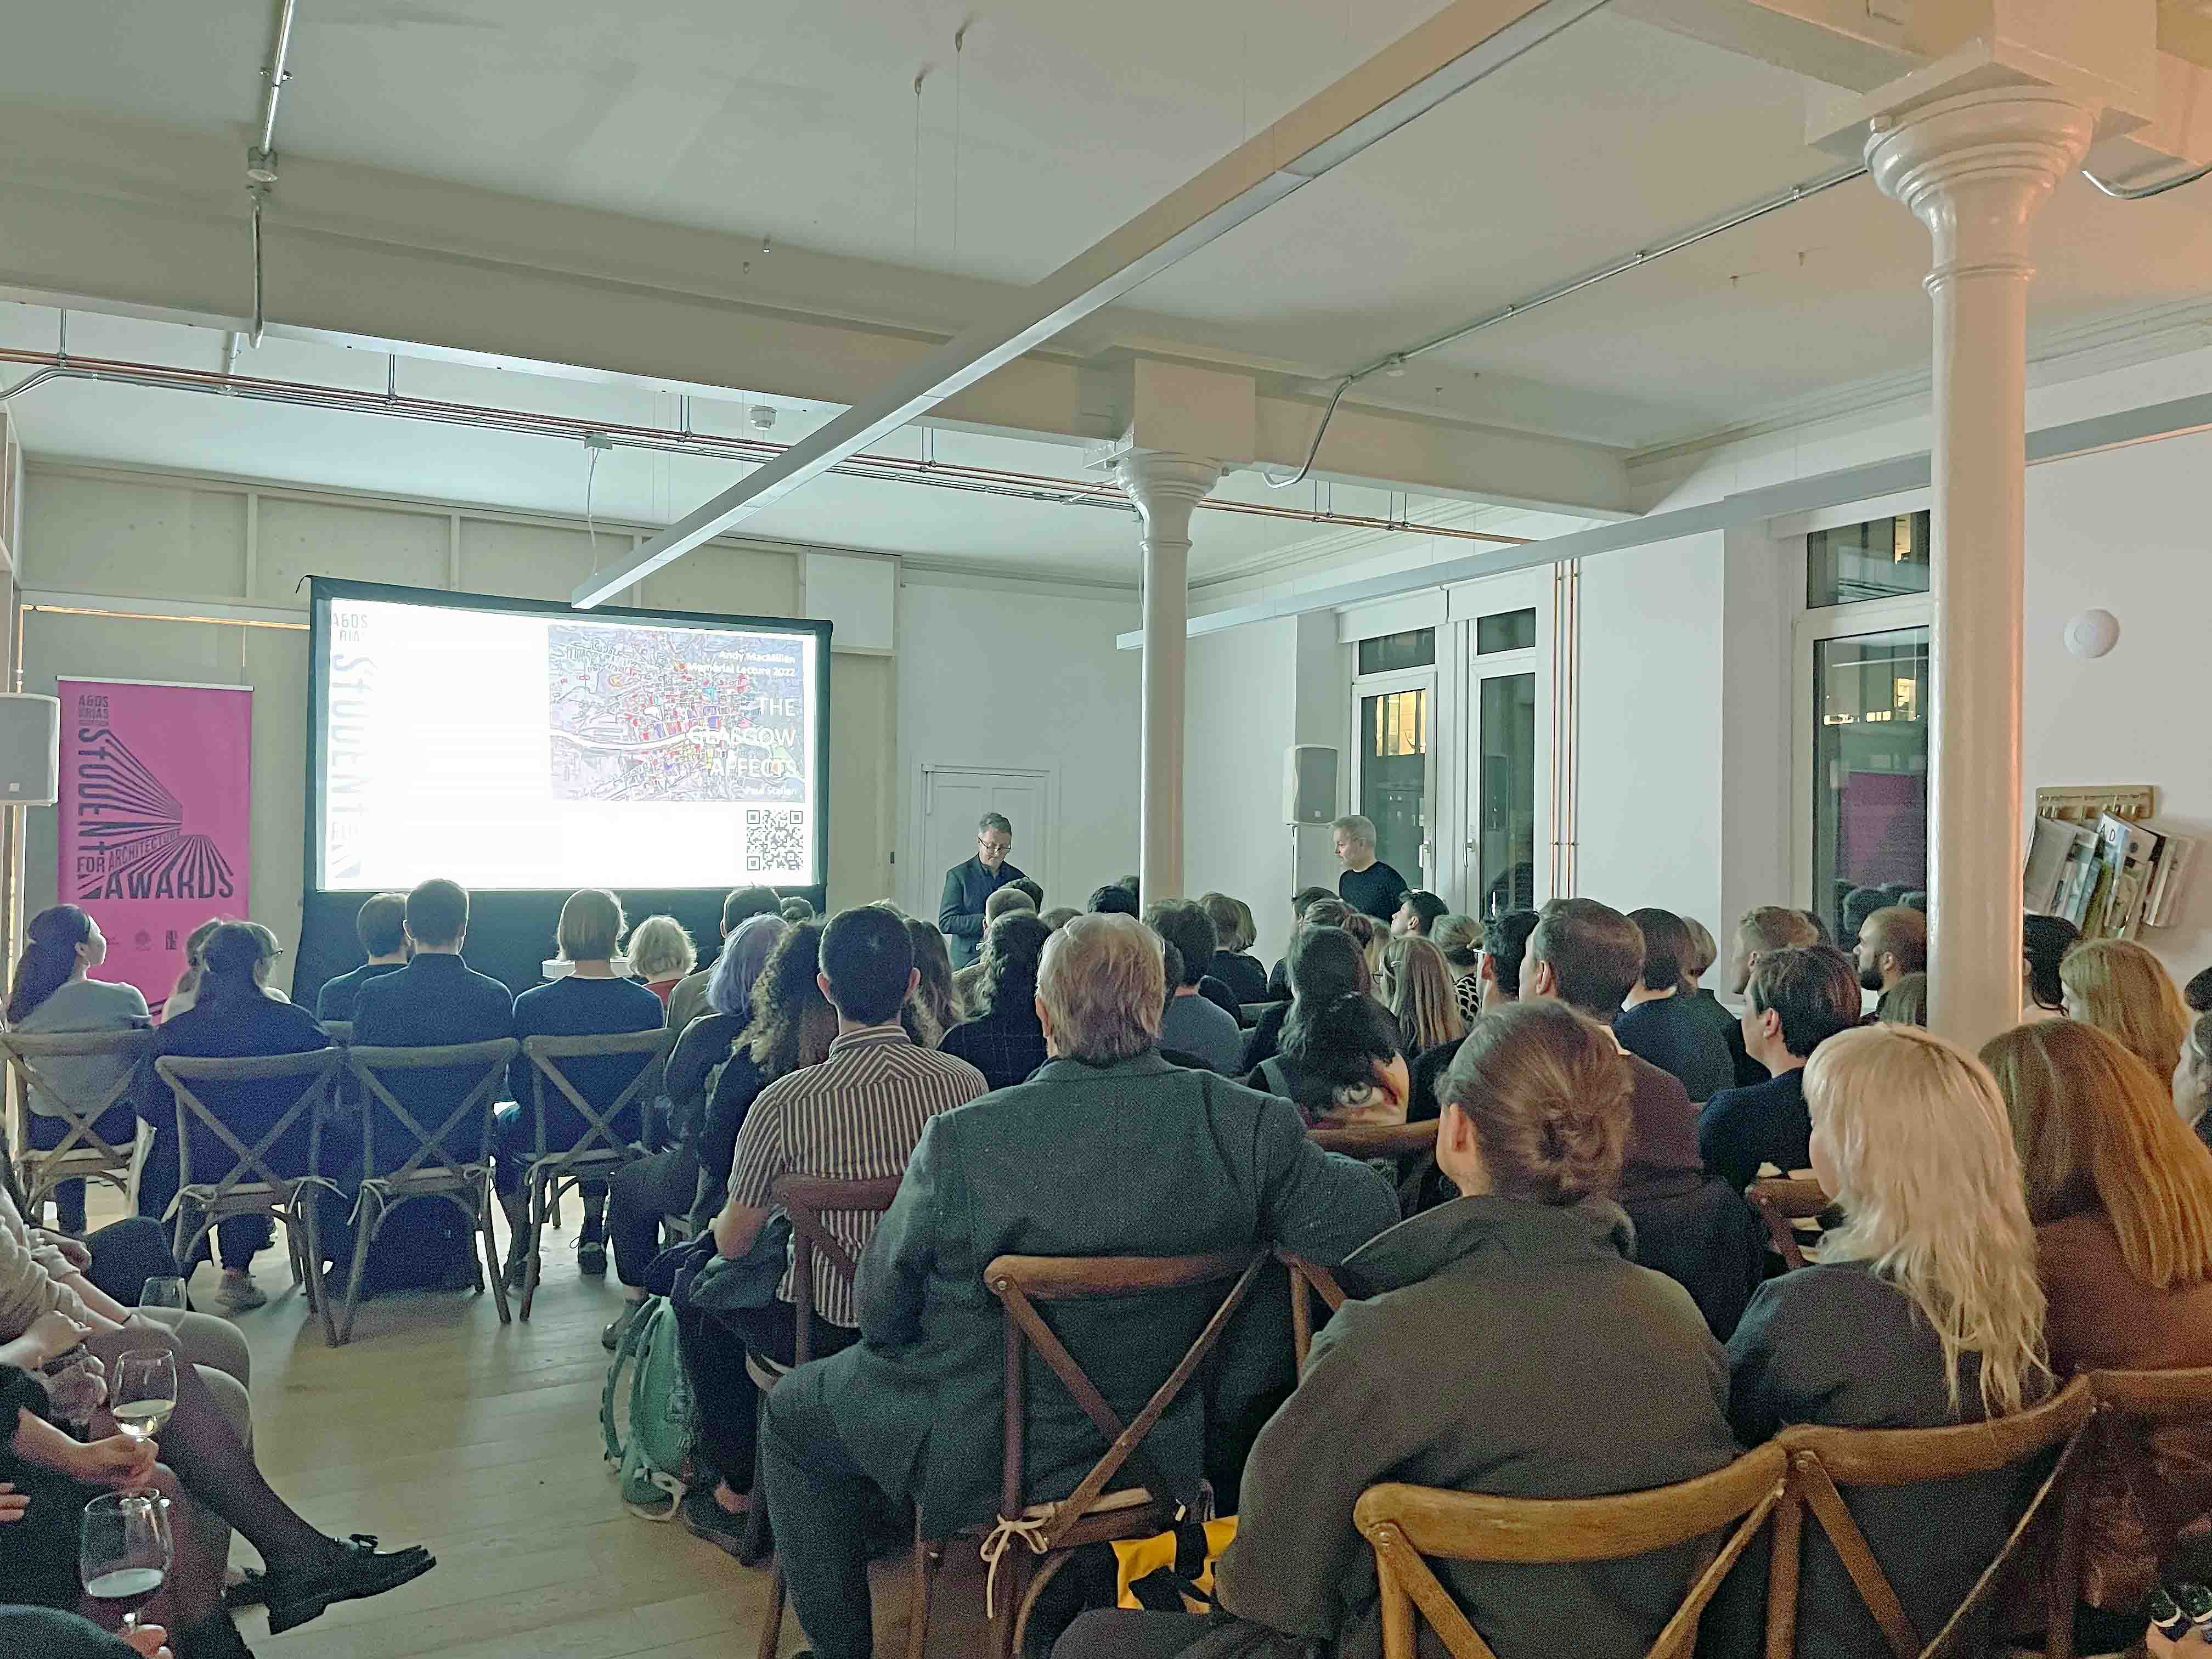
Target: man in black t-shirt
{"x": 1367, "y": 885}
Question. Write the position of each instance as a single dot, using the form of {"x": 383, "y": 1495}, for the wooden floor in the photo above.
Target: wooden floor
{"x": 436, "y": 1425}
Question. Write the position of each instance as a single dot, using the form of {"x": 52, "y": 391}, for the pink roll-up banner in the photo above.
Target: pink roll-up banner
{"x": 156, "y": 825}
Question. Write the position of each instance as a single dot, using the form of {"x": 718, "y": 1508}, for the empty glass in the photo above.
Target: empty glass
{"x": 163, "y": 1299}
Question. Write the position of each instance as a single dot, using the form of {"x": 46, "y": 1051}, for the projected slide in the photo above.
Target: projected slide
{"x": 521, "y": 749}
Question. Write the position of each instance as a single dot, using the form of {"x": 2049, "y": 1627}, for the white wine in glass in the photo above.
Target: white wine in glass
{"x": 122, "y": 1551}
{"x": 144, "y": 1392}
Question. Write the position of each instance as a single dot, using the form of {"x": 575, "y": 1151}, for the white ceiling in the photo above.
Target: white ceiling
{"x": 796, "y": 122}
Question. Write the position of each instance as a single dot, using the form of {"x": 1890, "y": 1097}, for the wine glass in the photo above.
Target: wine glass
{"x": 143, "y": 1392}
{"x": 122, "y": 1551}
{"x": 162, "y": 1298}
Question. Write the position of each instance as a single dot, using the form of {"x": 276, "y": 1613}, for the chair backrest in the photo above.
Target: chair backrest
{"x": 1383, "y": 1141}
{"x": 426, "y": 1107}
{"x": 339, "y": 1031}
{"x": 810, "y": 1201}
{"x": 1782, "y": 1199}
{"x": 274, "y": 1099}
{"x": 1024, "y": 1283}
{"x": 28, "y": 1056}
{"x": 1824, "y": 1460}
{"x": 1308, "y": 1280}
{"x": 587, "y": 1091}
{"x": 1405, "y": 1525}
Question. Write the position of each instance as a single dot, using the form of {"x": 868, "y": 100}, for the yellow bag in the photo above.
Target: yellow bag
{"x": 1138, "y": 1557}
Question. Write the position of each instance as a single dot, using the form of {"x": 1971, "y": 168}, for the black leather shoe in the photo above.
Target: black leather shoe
{"x": 293, "y": 1599}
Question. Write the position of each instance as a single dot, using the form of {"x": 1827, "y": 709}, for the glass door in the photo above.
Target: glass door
{"x": 1396, "y": 762}
{"x": 1510, "y": 699}
{"x": 1505, "y": 873}
{"x": 1869, "y": 783}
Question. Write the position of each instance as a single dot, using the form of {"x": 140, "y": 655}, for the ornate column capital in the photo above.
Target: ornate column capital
{"x": 1973, "y": 166}
{"x": 1166, "y": 487}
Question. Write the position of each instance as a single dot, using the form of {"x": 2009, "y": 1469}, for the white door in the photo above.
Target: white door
{"x": 953, "y": 798}
{"x": 1507, "y": 682}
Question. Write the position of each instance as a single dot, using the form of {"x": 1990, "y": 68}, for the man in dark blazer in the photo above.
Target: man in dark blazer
{"x": 381, "y": 927}
{"x": 1106, "y": 1151}
{"x": 968, "y": 887}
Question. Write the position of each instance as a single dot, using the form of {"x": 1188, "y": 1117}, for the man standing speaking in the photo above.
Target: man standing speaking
{"x": 968, "y": 886}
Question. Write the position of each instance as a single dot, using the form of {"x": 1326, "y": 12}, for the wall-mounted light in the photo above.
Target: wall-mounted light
{"x": 2092, "y": 633}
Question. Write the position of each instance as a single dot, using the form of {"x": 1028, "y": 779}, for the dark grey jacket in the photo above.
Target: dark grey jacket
{"x": 1510, "y": 1348}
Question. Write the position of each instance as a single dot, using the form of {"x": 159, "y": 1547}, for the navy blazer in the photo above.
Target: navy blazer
{"x": 339, "y": 996}
{"x": 967, "y": 888}
{"x": 436, "y": 1000}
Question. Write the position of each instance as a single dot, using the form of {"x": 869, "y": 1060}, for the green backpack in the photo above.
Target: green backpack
{"x": 662, "y": 1416}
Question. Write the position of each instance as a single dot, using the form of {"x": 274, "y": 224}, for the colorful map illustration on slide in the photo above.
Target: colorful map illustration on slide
{"x": 668, "y": 715}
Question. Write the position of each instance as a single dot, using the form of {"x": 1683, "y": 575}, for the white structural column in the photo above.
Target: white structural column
{"x": 1975, "y": 167}
{"x": 1166, "y": 487}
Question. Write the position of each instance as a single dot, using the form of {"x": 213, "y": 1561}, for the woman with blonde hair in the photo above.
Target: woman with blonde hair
{"x": 2119, "y": 987}
{"x": 661, "y": 953}
{"x": 1370, "y": 936}
{"x": 1416, "y": 985}
{"x": 1925, "y": 1311}
{"x": 2120, "y": 1193}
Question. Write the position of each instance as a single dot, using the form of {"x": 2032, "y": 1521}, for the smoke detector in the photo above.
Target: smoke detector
{"x": 762, "y": 415}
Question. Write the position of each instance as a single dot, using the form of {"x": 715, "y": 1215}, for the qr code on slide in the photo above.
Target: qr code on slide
{"x": 773, "y": 840}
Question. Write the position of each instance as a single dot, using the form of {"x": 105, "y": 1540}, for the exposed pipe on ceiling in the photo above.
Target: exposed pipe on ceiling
{"x": 48, "y": 367}
{"x": 261, "y": 157}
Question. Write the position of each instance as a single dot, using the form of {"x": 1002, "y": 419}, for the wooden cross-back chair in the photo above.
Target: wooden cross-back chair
{"x": 604, "y": 1145}
{"x": 1781, "y": 1200}
{"x": 1032, "y": 1541}
{"x": 809, "y": 1202}
{"x": 1407, "y": 1526}
{"x": 1823, "y": 1462}
{"x": 437, "y": 1162}
{"x": 252, "y": 1183}
{"x": 1308, "y": 1280}
{"x": 83, "y": 1152}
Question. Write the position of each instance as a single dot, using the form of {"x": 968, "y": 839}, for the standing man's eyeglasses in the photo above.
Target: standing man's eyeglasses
{"x": 997, "y": 845}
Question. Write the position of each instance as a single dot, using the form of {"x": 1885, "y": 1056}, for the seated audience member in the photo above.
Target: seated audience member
{"x": 1059, "y": 916}
{"x": 1043, "y": 1168}
{"x": 1460, "y": 938}
{"x": 382, "y": 928}
{"x": 1859, "y": 904}
{"x": 1892, "y": 943}
{"x": 1278, "y": 982}
{"x": 588, "y": 1001}
{"x": 1371, "y": 935}
{"x": 1371, "y": 888}
{"x": 2192, "y": 1079}
{"x": 1416, "y": 985}
{"x": 232, "y": 1018}
{"x": 1822, "y": 932}
{"x": 1192, "y": 1025}
{"x": 661, "y": 954}
{"x": 186, "y": 992}
{"x": 1764, "y": 929}
{"x": 2120, "y": 1193}
{"x": 1796, "y": 1000}
{"x": 1924, "y": 1311}
{"x": 1330, "y": 963}
{"x": 53, "y": 991}
{"x": 1496, "y": 984}
{"x": 1003, "y": 1040}
{"x": 2119, "y": 987}
{"x": 42, "y": 1317}
{"x": 855, "y": 1117}
{"x": 1587, "y": 956}
{"x": 51, "y": 1633}
{"x": 1113, "y": 900}
{"x": 1031, "y": 886}
{"x": 1658, "y": 1021}
{"x": 1700, "y": 1001}
{"x": 796, "y": 908}
{"x": 689, "y": 999}
{"x": 1004, "y": 903}
{"x": 1233, "y": 964}
{"x": 1905, "y": 1002}
{"x": 1553, "y": 1330}
{"x": 667, "y": 1181}
{"x": 437, "y": 999}
{"x": 1417, "y": 913}
{"x": 2197, "y": 993}
{"x": 2043, "y": 943}
{"x": 1342, "y": 1063}
{"x": 932, "y": 1010}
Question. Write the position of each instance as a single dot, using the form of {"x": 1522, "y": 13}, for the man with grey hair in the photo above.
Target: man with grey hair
{"x": 1046, "y": 1168}
{"x": 1368, "y": 886}
{"x": 968, "y": 887}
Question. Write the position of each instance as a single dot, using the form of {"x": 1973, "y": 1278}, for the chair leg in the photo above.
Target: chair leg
{"x": 538, "y": 1206}
{"x": 1018, "y": 1563}
{"x": 486, "y": 1203}
{"x": 370, "y": 1219}
{"x": 771, "y": 1637}
{"x": 303, "y": 1233}
{"x": 928, "y": 1557}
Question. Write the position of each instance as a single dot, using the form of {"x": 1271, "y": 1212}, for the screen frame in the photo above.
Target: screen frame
{"x": 323, "y": 589}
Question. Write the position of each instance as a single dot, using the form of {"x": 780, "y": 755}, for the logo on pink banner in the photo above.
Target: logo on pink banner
{"x": 157, "y": 831}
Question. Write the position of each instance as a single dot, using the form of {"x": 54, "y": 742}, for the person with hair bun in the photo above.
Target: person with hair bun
{"x": 1499, "y": 1335}
{"x": 53, "y": 991}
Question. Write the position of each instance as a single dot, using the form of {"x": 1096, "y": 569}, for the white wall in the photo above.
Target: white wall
{"x": 1017, "y": 675}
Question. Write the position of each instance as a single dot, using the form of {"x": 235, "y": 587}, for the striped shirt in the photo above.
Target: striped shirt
{"x": 855, "y": 1117}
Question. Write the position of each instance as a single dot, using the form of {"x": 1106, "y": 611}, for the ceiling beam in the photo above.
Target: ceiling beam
{"x": 1458, "y": 46}
{"x": 2065, "y": 441}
